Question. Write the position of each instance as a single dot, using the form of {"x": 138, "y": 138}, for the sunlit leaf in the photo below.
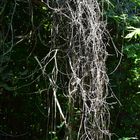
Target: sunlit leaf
{"x": 134, "y": 33}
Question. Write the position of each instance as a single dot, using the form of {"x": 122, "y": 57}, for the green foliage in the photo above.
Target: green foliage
{"x": 126, "y": 138}
{"x": 134, "y": 32}
{"x": 124, "y": 27}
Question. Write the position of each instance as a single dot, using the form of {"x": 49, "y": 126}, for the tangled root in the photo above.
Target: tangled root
{"x": 79, "y": 24}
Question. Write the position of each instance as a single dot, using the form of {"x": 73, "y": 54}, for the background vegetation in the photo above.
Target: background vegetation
{"x": 25, "y": 37}
{"x": 123, "y": 24}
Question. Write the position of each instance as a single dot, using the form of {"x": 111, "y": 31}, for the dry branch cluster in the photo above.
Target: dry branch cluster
{"x": 77, "y": 33}
{"x": 79, "y": 24}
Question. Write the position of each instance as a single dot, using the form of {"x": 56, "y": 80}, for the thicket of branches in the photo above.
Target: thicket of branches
{"x": 76, "y": 33}
{"x": 79, "y": 24}
{"x": 53, "y": 75}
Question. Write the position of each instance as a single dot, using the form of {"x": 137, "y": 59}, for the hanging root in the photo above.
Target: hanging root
{"x": 78, "y": 23}
{"x": 87, "y": 61}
